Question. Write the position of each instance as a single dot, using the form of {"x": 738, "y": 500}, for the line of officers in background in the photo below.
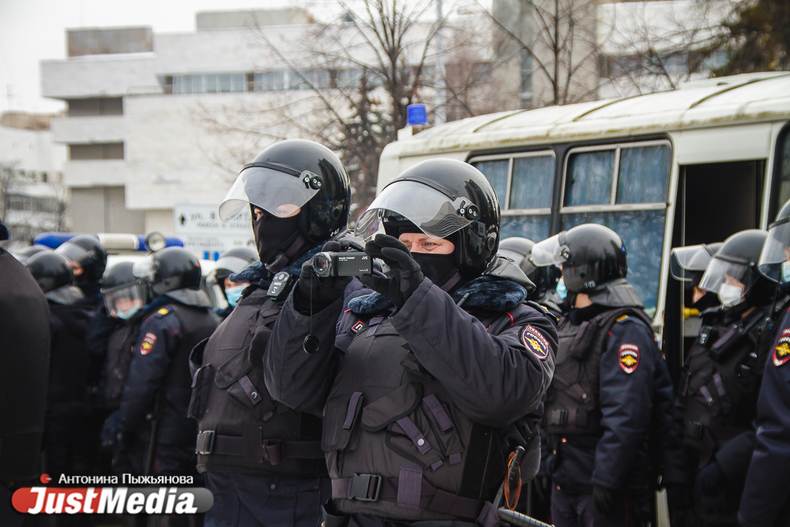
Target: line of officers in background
{"x": 461, "y": 377}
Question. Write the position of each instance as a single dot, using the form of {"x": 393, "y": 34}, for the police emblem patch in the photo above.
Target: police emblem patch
{"x": 782, "y": 350}
{"x": 535, "y": 342}
{"x": 148, "y": 343}
{"x": 629, "y": 357}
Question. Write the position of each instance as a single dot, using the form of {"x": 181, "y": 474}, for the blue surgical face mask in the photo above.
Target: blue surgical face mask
{"x": 562, "y": 291}
{"x": 233, "y": 294}
{"x": 786, "y": 271}
{"x": 127, "y": 314}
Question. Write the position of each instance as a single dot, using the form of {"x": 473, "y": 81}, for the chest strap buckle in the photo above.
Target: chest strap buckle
{"x": 205, "y": 442}
{"x": 365, "y": 487}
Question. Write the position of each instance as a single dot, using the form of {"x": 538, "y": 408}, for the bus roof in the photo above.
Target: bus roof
{"x": 737, "y": 99}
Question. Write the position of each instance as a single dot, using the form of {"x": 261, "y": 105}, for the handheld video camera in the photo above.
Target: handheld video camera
{"x": 352, "y": 263}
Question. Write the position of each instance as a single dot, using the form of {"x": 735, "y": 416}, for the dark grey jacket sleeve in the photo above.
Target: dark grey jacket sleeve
{"x": 494, "y": 379}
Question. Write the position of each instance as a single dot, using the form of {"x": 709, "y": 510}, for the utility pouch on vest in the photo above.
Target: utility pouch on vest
{"x": 341, "y": 415}
{"x": 245, "y": 385}
{"x": 201, "y": 383}
{"x": 728, "y": 342}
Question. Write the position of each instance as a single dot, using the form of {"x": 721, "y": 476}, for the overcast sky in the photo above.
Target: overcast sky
{"x": 35, "y": 30}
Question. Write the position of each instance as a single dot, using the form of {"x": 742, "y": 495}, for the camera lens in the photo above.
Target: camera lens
{"x": 321, "y": 264}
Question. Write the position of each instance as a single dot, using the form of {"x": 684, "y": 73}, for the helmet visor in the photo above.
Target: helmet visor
{"x": 127, "y": 299}
{"x": 776, "y": 250}
{"x": 144, "y": 269}
{"x": 551, "y": 251}
{"x": 718, "y": 270}
{"x": 73, "y": 253}
{"x": 432, "y": 211}
{"x": 276, "y": 192}
{"x": 228, "y": 265}
{"x": 685, "y": 261}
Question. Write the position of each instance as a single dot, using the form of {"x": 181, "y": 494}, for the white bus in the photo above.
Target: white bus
{"x": 663, "y": 170}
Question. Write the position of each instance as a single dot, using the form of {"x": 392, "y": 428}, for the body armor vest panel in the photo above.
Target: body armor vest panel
{"x": 241, "y": 429}
{"x": 722, "y": 380}
{"x": 573, "y": 398}
{"x": 68, "y": 363}
{"x": 386, "y": 413}
{"x": 120, "y": 348}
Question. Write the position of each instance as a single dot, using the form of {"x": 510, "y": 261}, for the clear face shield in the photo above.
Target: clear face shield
{"x": 145, "y": 269}
{"x": 686, "y": 261}
{"x": 435, "y": 213}
{"x": 125, "y": 301}
{"x": 279, "y": 193}
{"x": 721, "y": 271}
{"x": 773, "y": 263}
{"x": 551, "y": 251}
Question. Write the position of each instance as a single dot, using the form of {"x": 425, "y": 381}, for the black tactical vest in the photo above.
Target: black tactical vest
{"x": 397, "y": 446}
{"x": 68, "y": 363}
{"x": 573, "y": 398}
{"x": 722, "y": 380}
{"x": 241, "y": 429}
{"x": 120, "y": 348}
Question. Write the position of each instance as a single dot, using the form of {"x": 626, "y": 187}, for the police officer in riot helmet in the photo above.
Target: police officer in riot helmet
{"x": 230, "y": 262}
{"x": 68, "y": 366}
{"x": 158, "y": 383}
{"x": 431, "y": 377}
{"x": 24, "y": 255}
{"x": 721, "y": 377}
{"x": 88, "y": 259}
{"x": 687, "y": 265}
{"x": 610, "y": 400}
{"x": 766, "y": 493}
{"x": 299, "y": 193}
{"x": 24, "y": 324}
{"x": 545, "y": 279}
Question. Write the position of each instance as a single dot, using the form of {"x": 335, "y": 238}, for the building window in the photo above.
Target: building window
{"x": 95, "y": 106}
{"x": 269, "y": 81}
{"x": 96, "y": 151}
{"x": 210, "y": 83}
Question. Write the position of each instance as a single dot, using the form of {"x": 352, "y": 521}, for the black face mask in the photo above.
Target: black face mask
{"x": 438, "y": 268}
{"x": 273, "y": 235}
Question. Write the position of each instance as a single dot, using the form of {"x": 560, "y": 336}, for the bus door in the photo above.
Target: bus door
{"x": 714, "y": 201}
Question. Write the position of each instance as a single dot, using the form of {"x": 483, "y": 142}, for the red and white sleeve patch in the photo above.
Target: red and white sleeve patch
{"x": 629, "y": 357}
{"x": 148, "y": 344}
{"x": 782, "y": 349}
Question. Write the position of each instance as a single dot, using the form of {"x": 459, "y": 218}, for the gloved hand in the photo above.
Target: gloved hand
{"x": 319, "y": 291}
{"x": 679, "y": 496}
{"x": 405, "y": 274}
{"x": 710, "y": 479}
{"x": 110, "y": 431}
{"x": 604, "y": 500}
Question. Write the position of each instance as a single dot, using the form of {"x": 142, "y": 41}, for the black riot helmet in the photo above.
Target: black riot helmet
{"x": 86, "y": 251}
{"x": 24, "y": 255}
{"x": 687, "y": 264}
{"x": 737, "y": 259}
{"x": 293, "y": 174}
{"x": 776, "y": 250}
{"x": 119, "y": 283}
{"x": 519, "y": 250}
{"x": 594, "y": 261}
{"x": 443, "y": 198}
{"x": 233, "y": 261}
{"x": 51, "y": 270}
{"x": 168, "y": 270}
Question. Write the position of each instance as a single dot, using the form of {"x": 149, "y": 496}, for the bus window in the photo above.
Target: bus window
{"x": 644, "y": 174}
{"x": 781, "y": 192}
{"x": 589, "y": 180}
{"x": 625, "y": 188}
{"x": 524, "y": 183}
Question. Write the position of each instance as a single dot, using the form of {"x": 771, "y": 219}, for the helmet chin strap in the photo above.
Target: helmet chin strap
{"x": 297, "y": 242}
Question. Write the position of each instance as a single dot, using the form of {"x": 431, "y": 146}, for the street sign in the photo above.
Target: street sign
{"x": 203, "y": 233}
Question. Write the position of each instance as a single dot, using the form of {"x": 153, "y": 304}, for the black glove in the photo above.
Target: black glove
{"x": 405, "y": 274}
{"x": 710, "y": 480}
{"x": 604, "y": 500}
{"x": 679, "y": 496}
{"x": 320, "y": 292}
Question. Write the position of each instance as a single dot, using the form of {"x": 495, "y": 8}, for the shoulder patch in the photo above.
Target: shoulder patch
{"x": 356, "y": 328}
{"x": 535, "y": 342}
{"x": 629, "y": 357}
{"x": 781, "y": 352}
{"x": 620, "y": 319}
{"x": 163, "y": 311}
{"x": 148, "y": 343}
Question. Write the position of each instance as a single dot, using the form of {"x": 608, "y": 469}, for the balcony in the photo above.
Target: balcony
{"x": 83, "y": 130}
